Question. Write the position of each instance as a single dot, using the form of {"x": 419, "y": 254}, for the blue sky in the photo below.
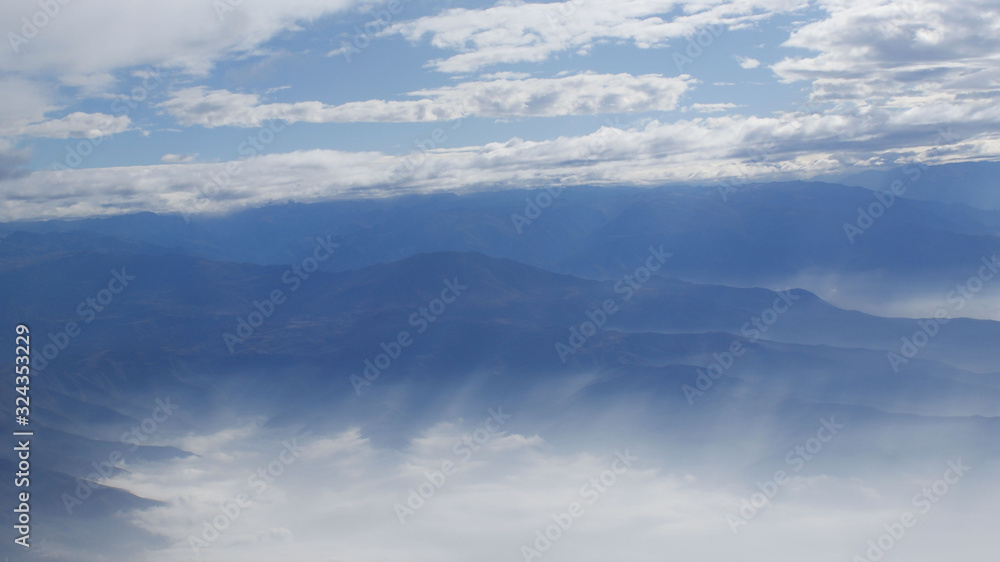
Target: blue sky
{"x": 110, "y": 109}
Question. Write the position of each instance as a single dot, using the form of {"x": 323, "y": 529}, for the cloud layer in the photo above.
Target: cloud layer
{"x": 534, "y": 31}
{"x": 504, "y": 98}
{"x": 700, "y": 149}
{"x": 339, "y": 496}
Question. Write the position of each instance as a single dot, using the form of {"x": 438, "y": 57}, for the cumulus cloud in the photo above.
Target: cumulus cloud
{"x": 77, "y": 124}
{"x": 747, "y": 62}
{"x": 25, "y": 101}
{"x": 178, "y": 158}
{"x": 711, "y": 107}
{"x": 500, "y": 97}
{"x": 86, "y": 42}
{"x": 899, "y": 52}
{"x": 85, "y": 45}
{"x": 511, "y": 32}
{"x": 12, "y": 161}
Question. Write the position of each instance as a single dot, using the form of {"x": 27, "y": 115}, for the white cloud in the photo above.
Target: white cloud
{"x": 178, "y": 158}
{"x": 337, "y": 501}
{"x": 869, "y": 53}
{"x": 903, "y": 78}
{"x": 12, "y": 160}
{"x": 77, "y": 124}
{"x": 86, "y": 42}
{"x": 711, "y": 107}
{"x": 24, "y": 101}
{"x": 747, "y": 62}
{"x": 511, "y": 32}
{"x": 505, "y": 75}
{"x": 502, "y": 97}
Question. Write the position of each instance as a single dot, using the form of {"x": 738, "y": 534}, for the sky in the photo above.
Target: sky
{"x": 203, "y": 106}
